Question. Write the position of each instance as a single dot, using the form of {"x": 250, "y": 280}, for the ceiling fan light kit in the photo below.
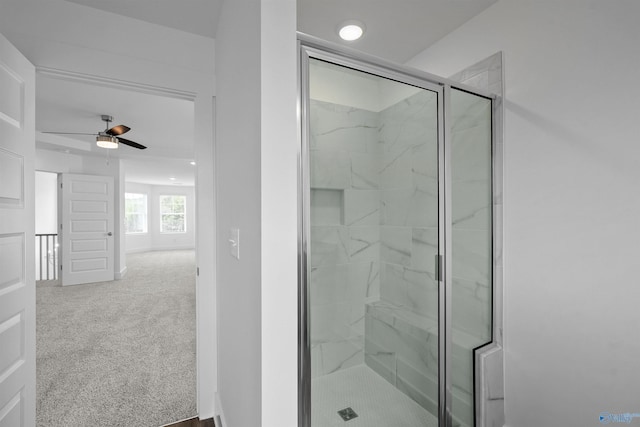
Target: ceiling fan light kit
{"x": 107, "y": 141}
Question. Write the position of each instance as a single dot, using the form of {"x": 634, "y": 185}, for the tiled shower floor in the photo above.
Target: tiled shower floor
{"x": 377, "y": 403}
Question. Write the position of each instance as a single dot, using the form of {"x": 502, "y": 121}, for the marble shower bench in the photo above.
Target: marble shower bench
{"x": 402, "y": 347}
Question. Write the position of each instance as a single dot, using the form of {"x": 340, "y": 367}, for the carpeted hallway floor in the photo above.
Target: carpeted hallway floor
{"x": 119, "y": 353}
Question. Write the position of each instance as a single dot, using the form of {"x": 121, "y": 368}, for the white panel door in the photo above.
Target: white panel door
{"x": 86, "y": 228}
{"x": 17, "y": 239}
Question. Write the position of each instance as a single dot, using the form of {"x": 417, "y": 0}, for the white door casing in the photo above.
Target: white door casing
{"x": 17, "y": 239}
{"x": 86, "y": 228}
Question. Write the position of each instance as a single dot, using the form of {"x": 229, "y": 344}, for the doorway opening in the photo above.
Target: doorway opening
{"x": 128, "y": 347}
{"x": 122, "y": 350}
{"x": 46, "y": 225}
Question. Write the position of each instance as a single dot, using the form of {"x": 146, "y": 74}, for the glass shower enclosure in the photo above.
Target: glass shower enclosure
{"x": 395, "y": 245}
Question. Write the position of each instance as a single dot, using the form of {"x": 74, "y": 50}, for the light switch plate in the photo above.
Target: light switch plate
{"x": 234, "y": 242}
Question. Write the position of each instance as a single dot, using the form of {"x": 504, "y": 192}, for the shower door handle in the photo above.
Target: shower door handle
{"x": 439, "y": 268}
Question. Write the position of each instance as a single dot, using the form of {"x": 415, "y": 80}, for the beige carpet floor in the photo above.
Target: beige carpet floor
{"x": 119, "y": 353}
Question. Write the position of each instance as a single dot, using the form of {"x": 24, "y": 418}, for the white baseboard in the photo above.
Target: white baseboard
{"x": 219, "y": 418}
{"x": 121, "y": 274}
{"x": 137, "y": 250}
{"x": 158, "y": 249}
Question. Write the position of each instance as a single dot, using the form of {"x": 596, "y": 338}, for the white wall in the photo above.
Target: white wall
{"x": 46, "y": 186}
{"x": 153, "y": 239}
{"x": 279, "y": 209}
{"x": 62, "y": 35}
{"x": 206, "y": 298}
{"x": 570, "y": 205}
{"x": 58, "y": 162}
{"x": 238, "y": 186}
{"x": 347, "y": 87}
{"x": 256, "y": 148}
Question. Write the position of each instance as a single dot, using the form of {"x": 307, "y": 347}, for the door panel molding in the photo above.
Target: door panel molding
{"x": 87, "y": 224}
{"x": 12, "y": 179}
{"x": 17, "y": 239}
{"x": 12, "y": 101}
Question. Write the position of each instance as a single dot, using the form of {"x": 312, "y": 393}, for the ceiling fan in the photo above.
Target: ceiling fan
{"x": 110, "y": 137}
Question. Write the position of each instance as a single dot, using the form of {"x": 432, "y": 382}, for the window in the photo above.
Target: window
{"x": 172, "y": 214}
{"x": 135, "y": 213}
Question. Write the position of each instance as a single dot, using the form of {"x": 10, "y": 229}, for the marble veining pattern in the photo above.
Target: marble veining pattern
{"x": 362, "y": 207}
{"x": 396, "y": 169}
{"x": 345, "y": 238}
{"x": 365, "y": 243}
{"x": 396, "y": 245}
{"x": 472, "y": 205}
{"x": 330, "y": 245}
{"x": 337, "y": 127}
{"x": 364, "y": 277}
{"x": 402, "y": 347}
{"x": 424, "y": 248}
{"x": 364, "y": 171}
{"x": 330, "y": 169}
{"x": 411, "y": 207}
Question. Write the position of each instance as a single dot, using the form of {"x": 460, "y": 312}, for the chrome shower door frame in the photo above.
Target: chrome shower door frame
{"x": 310, "y": 47}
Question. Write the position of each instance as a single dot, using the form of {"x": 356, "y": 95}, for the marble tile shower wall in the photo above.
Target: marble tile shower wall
{"x": 345, "y": 153}
{"x": 471, "y": 240}
{"x": 374, "y": 220}
{"x": 471, "y": 212}
{"x": 409, "y": 204}
{"x": 401, "y": 340}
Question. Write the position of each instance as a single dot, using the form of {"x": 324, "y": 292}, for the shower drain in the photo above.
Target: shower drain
{"x": 347, "y": 414}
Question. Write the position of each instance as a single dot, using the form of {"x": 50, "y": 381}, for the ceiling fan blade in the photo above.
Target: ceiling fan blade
{"x": 71, "y": 133}
{"x": 131, "y": 143}
{"x": 117, "y": 130}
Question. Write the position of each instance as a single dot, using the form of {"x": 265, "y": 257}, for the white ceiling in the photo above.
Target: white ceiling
{"x": 396, "y": 30}
{"x": 193, "y": 16}
{"x": 159, "y": 171}
{"x": 164, "y": 125}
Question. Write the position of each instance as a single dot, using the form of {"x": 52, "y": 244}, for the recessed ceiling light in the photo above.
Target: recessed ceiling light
{"x": 172, "y": 178}
{"x": 351, "y": 30}
{"x": 192, "y": 163}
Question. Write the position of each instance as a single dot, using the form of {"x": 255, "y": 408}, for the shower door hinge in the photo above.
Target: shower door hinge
{"x": 439, "y": 268}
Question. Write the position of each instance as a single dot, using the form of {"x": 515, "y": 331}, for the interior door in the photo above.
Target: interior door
{"x": 86, "y": 229}
{"x": 17, "y": 238}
